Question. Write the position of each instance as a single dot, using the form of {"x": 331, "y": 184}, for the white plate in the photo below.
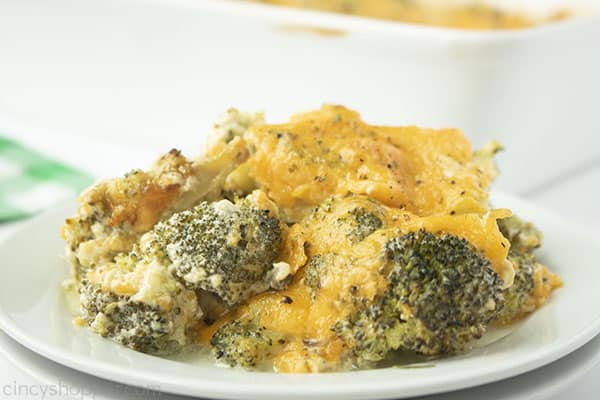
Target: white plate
{"x": 539, "y": 384}
{"x": 32, "y": 311}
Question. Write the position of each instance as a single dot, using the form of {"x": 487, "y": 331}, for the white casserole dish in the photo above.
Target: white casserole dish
{"x": 154, "y": 74}
{"x": 535, "y": 90}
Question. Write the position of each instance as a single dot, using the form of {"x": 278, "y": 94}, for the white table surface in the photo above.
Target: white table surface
{"x": 40, "y": 103}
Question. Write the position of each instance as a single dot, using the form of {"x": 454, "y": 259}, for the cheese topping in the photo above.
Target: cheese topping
{"x": 406, "y": 179}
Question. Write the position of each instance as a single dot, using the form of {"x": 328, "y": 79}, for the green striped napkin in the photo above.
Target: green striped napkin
{"x": 31, "y": 182}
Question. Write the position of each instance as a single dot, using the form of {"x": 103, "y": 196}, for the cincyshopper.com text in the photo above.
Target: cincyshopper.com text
{"x": 61, "y": 390}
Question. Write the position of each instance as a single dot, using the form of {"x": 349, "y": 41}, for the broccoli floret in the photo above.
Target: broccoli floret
{"x": 224, "y": 248}
{"x": 518, "y": 295}
{"x": 360, "y": 223}
{"x": 524, "y": 237}
{"x": 442, "y": 293}
{"x": 314, "y": 269}
{"x": 245, "y": 344}
{"x": 135, "y": 324}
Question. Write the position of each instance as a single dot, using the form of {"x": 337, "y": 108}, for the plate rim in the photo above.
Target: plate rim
{"x": 567, "y": 377}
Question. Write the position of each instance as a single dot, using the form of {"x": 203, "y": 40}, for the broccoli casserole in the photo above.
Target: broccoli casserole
{"x": 320, "y": 244}
{"x": 475, "y": 14}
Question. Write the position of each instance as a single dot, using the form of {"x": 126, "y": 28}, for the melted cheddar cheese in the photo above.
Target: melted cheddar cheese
{"x": 331, "y": 151}
{"x": 322, "y": 166}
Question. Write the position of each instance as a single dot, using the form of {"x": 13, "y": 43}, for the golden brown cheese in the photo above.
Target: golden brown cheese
{"x": 331, "y": 151}
{"x": 477, "y": 15}
{"x": 545, "y": 282}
